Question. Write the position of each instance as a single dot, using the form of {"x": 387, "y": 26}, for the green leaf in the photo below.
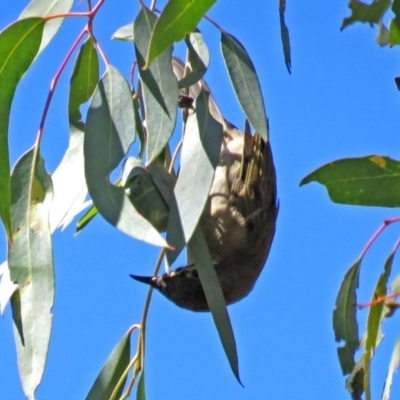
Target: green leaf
{"x": 30, "y": 260}
{"x": 285, "y": 35}
{"x": 19, "y": 44}
{"x": 179, "y": 18}
{"x": 393, "y": 365}
{"x": 364, "y": 181}
{"x": 112, "y": 371}
{"x": 141, "y": 391}
{"x": 245, "y": 82}
{"x": 199, "y": 58}
{"x": 124, "y": 33}
{"x": 160, "y": 87}
{"x": 344, "y": 319}
{"x": 44, "y": 8}
{"x": 87, "y": 217}
{"x": 368, "y": 13}
{"x": 394, "y": 26}
{"x": 215, "y": 299}
{"x": 375, "y": 317}
{"x": 110, "y": 131}
{"x": 199, "y": 158}
{"x": 83, "y": 80}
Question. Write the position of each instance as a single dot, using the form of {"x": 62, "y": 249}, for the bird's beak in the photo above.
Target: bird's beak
{"x": 148, "y": 280}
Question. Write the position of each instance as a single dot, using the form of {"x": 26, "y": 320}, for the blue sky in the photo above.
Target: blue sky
{"x": 340, "y": 101}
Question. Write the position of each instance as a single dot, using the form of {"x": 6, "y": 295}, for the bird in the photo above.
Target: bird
{"x": 238, "y": 222}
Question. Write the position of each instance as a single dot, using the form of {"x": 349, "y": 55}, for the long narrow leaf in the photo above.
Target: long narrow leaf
{"x": 200, "y": 154}
{"x": 215, "y": 299}
{"x": 30, "y": 260}
{"x": 112, "y": 371}
{"x": 245, "y": 82}
{"x": 344, "y": 319}
{"x": 160, "y": 87}
{"x": 19, "y": 44}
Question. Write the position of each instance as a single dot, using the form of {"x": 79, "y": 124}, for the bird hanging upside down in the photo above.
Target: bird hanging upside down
{"x": 238, "y": 223}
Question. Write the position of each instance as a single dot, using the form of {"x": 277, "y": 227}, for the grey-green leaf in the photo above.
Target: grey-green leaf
{"x": 245, "y": 82}
{"x": 110, "y": 131}
{"x": 112, "y": 371}
{"x": 160, "y": 87}
{"x": 215, "y": 299}
{"x": 200, "y": 154}
{"x": 144, "y": 195}
{"x": 30, "y": 260}
{"x": 199, "y": 58}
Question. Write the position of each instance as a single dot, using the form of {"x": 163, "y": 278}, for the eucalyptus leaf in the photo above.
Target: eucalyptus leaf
{"x": 345, "y": 323}
{"x": 30, "y": 261}
{"x": 44, "y": 8}
{"x": 364, "y": 181}
{"x": 179, "y": 18}
{"x": 199, "y": 59}
{"x": 19, "y": 45}
{"x": 112, "y": 371}
{"x": 110, "y": 131}
{"x": 245, "y": 82}
{"x": 160, "y": 87}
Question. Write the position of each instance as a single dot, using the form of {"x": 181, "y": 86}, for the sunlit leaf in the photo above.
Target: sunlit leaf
{"x": 245, "y": 82}
{"x": 179, "y": 18}
{"x": 112, "y": 371}
{"x": 345, "y": 323}
{"x": 393, "y": 366}
{"x": 30, "y": 260}
{"x": 86, "y": 218}
{"x": 367, "y": 13}
{"x": 69, "y": 178}
{"x": 110, "y": 131}
{"x": 125, "y": 33}
{"x": 160, "y": 87}
{"x": 365, "y": 181}
{"x": 7, "y": 286}
{"x": 19, "y": 44}
{"x": 43, "y": 8}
